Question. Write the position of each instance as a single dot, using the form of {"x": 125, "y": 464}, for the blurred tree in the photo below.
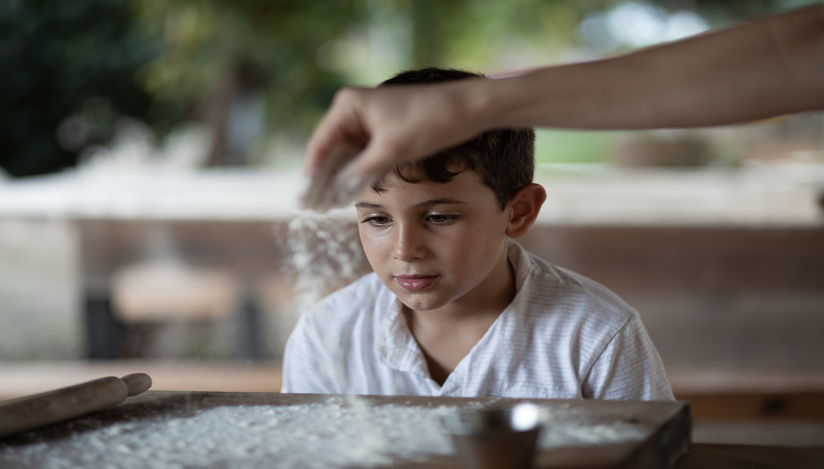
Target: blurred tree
{"x": 480, "y": 33}
{"x": 238, "y": 62}
{"x": 68, "y": 72}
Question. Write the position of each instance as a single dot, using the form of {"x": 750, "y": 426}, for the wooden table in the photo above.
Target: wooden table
{"x": 707, "y": 456}
{"x": 664, "y": 426}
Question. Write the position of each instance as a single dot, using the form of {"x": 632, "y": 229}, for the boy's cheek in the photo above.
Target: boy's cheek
{"x": 375, "y": 264}
{"x": 375, "y": 247}
{"x": 366, "y": 242}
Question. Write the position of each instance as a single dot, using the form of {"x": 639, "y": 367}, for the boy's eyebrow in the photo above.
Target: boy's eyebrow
{"x": 446, "y": 200}
{"x": 426, "y": 203}
{"x": 367, "y": 205}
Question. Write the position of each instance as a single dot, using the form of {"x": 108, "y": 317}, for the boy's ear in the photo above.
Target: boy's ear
{"x": 524, "y": 208}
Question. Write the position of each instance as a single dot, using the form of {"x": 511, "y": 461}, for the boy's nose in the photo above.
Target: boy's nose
{"x": 408, "y": 246}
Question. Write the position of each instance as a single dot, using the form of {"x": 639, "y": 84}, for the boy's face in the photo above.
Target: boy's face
{"x": 434, "y": 243}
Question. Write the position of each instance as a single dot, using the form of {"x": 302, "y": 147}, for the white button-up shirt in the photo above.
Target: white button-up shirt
{"x": 563, "y": 336}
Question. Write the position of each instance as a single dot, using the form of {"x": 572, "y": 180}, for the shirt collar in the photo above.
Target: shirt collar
{"x": 396, "y": 345}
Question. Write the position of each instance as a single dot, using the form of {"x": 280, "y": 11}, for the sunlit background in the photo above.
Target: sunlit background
{"x": 150, "y": 158}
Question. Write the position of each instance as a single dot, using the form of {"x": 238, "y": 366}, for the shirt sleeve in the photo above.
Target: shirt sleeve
{"x": 307, "y": 365}
{"x": 629, "y": 368}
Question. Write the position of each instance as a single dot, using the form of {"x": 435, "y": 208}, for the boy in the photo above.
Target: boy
{"x": 454, "y": 307}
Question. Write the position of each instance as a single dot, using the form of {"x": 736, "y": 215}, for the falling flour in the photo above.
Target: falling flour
{"x": 334, "y": 434}
{"x": 323, "y": 254}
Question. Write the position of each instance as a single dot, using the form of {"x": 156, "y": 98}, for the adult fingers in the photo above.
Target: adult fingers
{"x": 327, "y": 135}
{"x": 326, "y": 188}
{"x": 347, "y": 172}
{"x": 342, "y": 124}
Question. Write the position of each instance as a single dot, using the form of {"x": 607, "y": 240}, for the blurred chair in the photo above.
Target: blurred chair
{"x": 166, "y": 289}
{"x": 174, "y": 303}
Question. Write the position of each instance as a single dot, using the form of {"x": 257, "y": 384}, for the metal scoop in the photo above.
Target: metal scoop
{"x": 496, "y": 438}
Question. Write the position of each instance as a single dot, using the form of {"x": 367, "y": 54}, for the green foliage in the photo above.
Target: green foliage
{"x": 272, "y": 43}
{"x": 62, "y": 58}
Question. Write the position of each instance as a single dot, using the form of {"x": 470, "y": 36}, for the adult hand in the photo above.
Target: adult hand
{"x": 368, "y": 131}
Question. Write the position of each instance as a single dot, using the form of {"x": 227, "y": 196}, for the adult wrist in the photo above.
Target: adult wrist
{"x": 475, "y": 104}
{"x": 513, "y": 102}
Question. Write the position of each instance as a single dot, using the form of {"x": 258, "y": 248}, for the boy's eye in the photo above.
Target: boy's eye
{"x": 377, "y": 221}
{"x": 441, "y": 219}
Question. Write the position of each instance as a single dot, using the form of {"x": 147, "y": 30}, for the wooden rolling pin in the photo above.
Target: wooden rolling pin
{"x": 27, "y": 413}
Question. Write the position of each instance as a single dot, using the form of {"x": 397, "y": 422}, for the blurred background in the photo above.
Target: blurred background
{"x": 150, "y": 159}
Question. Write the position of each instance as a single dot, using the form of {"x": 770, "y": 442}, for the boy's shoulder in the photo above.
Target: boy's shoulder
{"x": 549, "y": 289}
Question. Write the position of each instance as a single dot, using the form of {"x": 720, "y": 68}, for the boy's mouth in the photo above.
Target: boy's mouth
{"x": 415, "y": 282}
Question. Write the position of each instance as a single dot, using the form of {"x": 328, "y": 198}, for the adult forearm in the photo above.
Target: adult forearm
{"x": 760, "y": 69}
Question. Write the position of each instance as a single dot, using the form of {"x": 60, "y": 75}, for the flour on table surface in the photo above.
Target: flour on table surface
{"x": 298, "y": 436}
{"x": 320, "y": 435}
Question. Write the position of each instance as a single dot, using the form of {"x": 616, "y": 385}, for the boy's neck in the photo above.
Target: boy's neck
{"x": 447, "y": 334}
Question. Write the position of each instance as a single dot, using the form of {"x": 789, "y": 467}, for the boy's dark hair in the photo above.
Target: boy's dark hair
{"x": 504, "y": 159}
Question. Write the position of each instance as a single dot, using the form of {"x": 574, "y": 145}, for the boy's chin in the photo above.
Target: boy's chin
{"x": 419, "y": 302}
